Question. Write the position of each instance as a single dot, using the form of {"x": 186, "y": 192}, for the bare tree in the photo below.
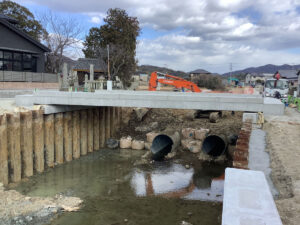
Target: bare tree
{"x": 63, "y": 34}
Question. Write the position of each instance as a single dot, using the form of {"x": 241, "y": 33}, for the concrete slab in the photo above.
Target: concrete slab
{"x": 258, "y": 158}
{"x": 175, "y": 100}
{"x": 247, "y": 199}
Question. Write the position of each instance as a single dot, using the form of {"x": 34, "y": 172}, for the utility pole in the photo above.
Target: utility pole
{"x": 108, "y": 71}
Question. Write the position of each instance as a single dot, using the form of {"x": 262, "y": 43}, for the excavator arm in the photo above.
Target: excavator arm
{"x": 177, "y": 82}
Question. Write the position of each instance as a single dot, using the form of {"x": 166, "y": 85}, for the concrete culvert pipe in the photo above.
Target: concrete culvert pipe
{"x": 214, "y": 145}
{"x": 163, "y": 144}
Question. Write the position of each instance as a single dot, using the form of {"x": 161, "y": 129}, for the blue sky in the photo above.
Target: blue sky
{"x": 192, "y": 34}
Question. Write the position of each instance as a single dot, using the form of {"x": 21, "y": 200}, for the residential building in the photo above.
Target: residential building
{"x": 291, "y": 75}
{"x": 19, "y": 51}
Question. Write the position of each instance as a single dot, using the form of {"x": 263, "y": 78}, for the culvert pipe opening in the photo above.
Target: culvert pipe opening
{"x": 214, "y": 145}
{"x": 161, "y": 146}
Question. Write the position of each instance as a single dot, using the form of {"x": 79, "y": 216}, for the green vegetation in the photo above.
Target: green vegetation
{"x": 26, "y": 20}
{"x": 120, "y": 32}
{"x": 209, "y": 81}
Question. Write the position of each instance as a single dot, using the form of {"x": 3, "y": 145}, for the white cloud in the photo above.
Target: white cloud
{"x": 215, "y": 31}
{"x": 96, "y": 20}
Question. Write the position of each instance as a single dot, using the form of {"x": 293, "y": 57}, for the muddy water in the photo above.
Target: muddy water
{"x": 116, "y": 192}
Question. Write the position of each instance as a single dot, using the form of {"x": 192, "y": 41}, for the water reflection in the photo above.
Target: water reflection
{"x": 175, "y": 181}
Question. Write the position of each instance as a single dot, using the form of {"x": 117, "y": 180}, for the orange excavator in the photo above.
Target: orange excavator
{"x": 171, "y": 80}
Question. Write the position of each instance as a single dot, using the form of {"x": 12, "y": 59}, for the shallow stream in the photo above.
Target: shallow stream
{"x": 115, "y": 191}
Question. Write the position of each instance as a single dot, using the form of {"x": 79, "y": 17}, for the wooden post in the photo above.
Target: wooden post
{"x": 26, "y": 143}
{"x": 49, "y": 139}
{"x": 68, "y": 136}
{"x": 112, "y": 121}
{"x": 58, "y": 138}
{"x": 102, "y": 127}
{"x": 107, "y": 123}
{"x": 96, "y": 129}
{"x": 38, "y": 140}
{"x": 90, "y": 130}
{"x": 3, "y": 150}
{"x": 14, "y": 148}
{"x": 76, "y": 135}
{"x": 83, "y": 132}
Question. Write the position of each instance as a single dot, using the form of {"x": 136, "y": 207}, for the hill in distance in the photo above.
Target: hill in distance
{"x": 269, "y": 68}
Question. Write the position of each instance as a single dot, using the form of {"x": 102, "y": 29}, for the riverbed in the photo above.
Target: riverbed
{"x": 115, "y": 191}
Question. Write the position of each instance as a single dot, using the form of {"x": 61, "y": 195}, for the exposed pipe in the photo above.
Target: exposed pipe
{"x": 164, "y": 143}
{"x": 214, "y": 145}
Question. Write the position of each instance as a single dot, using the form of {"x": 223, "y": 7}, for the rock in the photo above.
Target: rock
{"x": 187, "y": 166}
{"x": 154, "y": 125}
{"x": 148, "y": 145}
{"x": 192, "y": 145}
{"x": 140, "y": 113}
{"x": 125, "y": 220}
{"x": 188, "y": 132}
{"x": 143, "y": 129}
{"x": 138, "y": 145}
{"x": 126, "y": 114}
{"x": 147, "y": 128}
{"x": 171, "y": 155}
{"x": 150, "y": 136}
{"x": 125, "y": 142}
{"x": 201, "y": 134}
{"x": 213, "y": 117}
{"x": 112, "y": 143}
{"x": 185, "y": 223}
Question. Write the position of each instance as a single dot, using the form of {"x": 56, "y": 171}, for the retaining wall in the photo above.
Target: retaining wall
{"x": 31, "y": 141}
{"x": 241, "y": 153}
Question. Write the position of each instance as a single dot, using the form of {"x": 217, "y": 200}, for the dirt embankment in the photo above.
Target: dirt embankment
{"x": 160, "y": 119}
{"x": 283, "y": 145}
{"x": 16, "y": 208}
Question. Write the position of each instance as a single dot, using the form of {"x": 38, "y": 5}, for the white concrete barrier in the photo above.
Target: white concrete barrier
{"x": 152, "y": 99}
{"x": 247, "y": 199}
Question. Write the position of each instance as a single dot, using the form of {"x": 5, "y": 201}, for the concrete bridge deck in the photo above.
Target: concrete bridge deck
{"x": 159, "y": 99}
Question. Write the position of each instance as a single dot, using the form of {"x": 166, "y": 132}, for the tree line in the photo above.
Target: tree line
{"x": 115, "y": 41}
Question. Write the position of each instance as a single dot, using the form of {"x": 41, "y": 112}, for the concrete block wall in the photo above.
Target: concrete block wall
{"x": 241, "y": 153}
{"x": 31, "y": 141}
{"x": 28, "y": 76}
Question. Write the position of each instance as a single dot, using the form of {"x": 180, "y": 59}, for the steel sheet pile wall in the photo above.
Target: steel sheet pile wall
{"x": 30, "y": 141}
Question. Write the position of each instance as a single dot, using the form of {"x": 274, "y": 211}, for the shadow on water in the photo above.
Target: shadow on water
{"x": 113, "y": 190}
